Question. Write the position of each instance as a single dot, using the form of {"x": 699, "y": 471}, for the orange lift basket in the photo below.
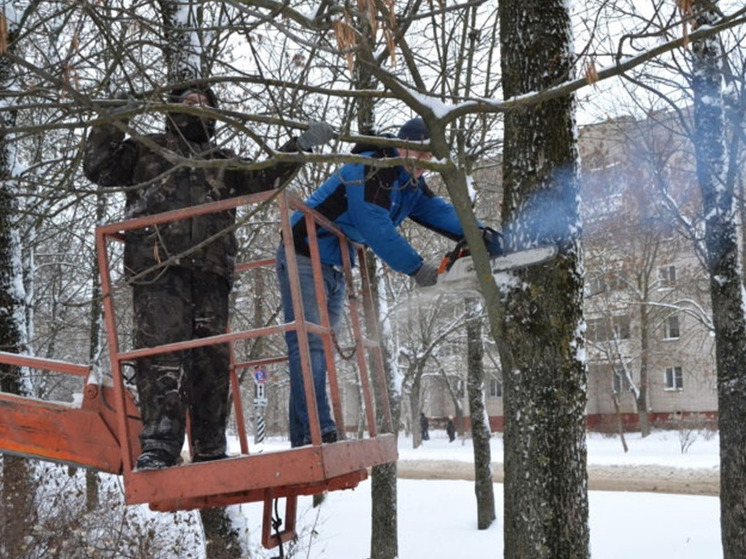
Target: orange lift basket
{"x": 102, "y": 431}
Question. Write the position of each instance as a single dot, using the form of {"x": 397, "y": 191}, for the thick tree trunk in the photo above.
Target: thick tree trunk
{"x": 721, "y": 240}
{"x": 384, "y": 538}
{"x": 11, "y": 300}
{"x": 480, "y": 428}
{"x": 17, "y": 506}
{"x": 221, "y": 538}
{"x": 16, "y": 477}
{"x": 546, "y": 500}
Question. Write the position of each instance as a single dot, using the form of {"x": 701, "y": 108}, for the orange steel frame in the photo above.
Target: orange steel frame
{"x": 102, "y": 433}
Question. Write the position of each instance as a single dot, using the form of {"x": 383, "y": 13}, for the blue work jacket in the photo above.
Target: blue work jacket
{"x": 368, "y": 204}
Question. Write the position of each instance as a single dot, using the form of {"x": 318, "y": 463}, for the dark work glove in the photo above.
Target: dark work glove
{"x": 426, "y": 276}
{"x": 493, "y": 241}
{"x": 318, "y": 133}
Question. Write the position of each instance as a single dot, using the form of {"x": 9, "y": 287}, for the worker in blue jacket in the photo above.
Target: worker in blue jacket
{"x": 367, "y": 203}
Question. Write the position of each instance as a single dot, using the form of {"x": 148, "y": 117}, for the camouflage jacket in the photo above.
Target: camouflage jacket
{"x": 157, "y": 185}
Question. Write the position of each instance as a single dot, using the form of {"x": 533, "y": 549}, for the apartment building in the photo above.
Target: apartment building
{"x": 650, "y": 346}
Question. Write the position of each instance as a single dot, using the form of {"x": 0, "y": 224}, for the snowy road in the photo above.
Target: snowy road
{"x": 647, "y": 478}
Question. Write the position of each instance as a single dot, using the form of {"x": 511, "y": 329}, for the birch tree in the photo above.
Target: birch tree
{"x": 16, "y": 476}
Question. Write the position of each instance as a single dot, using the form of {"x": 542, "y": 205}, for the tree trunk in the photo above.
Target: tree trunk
{"x": 384, "y": 537}
{"x": 480, "y": 428}
{"x": 641, "y": 401}
{"x": 16, "y": 477}
{"x": 221, "y": 538}
{"x": 183, "y": 62}
{"x": 459, "y": 406}
{"x": 721, "y": 241}
{"x": 619, "y": 422}
{"x": 94, "y": 352}
{"x": 415, "y": 408}
{"x": 546, "y": 499}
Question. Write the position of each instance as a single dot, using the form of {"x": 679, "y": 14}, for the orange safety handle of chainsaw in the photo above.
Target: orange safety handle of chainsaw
{"x": 444, "y": 264}
{"x": 460, "y": 251}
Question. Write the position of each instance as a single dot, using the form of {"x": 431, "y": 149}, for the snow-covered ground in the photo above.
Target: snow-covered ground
{"x": 437, "y": 519}
{"x": 662, "y": 448}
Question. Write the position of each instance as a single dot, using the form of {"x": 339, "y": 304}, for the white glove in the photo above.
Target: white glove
{"x": 318, "y": 133}
{"x": 426, "y": 276}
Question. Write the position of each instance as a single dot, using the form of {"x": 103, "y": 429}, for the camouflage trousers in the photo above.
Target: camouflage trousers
{"x": 182, "y": 304}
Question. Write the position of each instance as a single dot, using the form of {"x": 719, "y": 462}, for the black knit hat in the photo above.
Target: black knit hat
{"x": 177, "y": 95}
{"x": 414, "y": 130}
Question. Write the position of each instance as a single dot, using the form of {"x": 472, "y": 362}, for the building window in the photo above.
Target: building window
{"x": 617, "y": 281}
{"x": 620, "y": 381}
{"x": 608, "y": 328}
{"x": 594, "y": 286}
{"x": 597, "y": 329}
{"x": 671, "y": 330}
{"x": 605, "y": 283}
{"x": 667, "y": 276}
{"x": 674, "y": 378}
{"x": 621, "y": 327}
{"x": 496, "y": 388}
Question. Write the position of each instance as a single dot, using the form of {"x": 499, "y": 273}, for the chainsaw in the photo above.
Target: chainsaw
{"x": 457, "y": 271}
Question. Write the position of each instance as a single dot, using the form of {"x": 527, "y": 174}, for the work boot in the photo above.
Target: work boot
{"x": 328, "y": 437}
{"x": 154, "y": 460}
{"x": 208, "y": 457}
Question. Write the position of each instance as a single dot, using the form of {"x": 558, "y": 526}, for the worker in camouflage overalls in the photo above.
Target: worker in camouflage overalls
{"x": 181, "y": 272}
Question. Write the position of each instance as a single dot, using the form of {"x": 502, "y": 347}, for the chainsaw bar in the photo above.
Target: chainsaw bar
{"x": 463, "y": 276}
{"x": 523, "y": 258}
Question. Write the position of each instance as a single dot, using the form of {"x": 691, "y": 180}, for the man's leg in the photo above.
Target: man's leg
{"x": 162, "y": 314}
{"x": 334, "y": 287}
{"x": 210, "y": 371}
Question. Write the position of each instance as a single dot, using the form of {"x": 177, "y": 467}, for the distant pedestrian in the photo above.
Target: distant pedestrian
{"x": 424, "y": 427}
{"x": 451, "y": 429}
